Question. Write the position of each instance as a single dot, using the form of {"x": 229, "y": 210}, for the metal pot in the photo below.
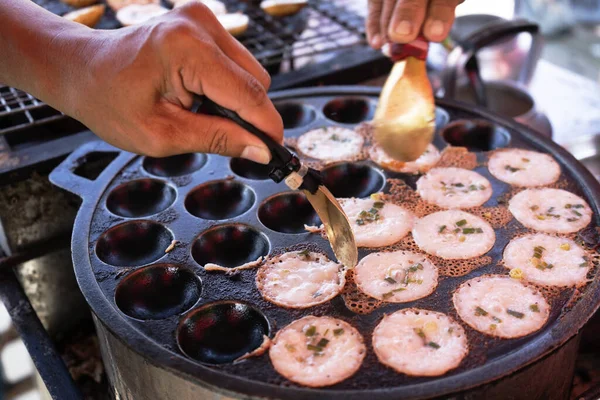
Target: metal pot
{"x": 511, "y": 53}
{"x": 468, "y": 67}
{"x": 509, "y": 100}
{"x": 145, "y": 346}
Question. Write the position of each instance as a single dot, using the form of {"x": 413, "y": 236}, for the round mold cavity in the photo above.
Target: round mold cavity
{"x": 230, "y": 245}
{"x": 288, "y": 213}
{"x": 221, "y": 332}
{"x": 295, "y": 115}
{"x": 179, "y": 165}
{"x": 140, "y": 198}
{"x": 348, "y": 110}
{"x": 476, "y": 135}
{"x": 158, "y": 292}
{"x": 133, "y": 244}
{"x": 352, "y": 180}
{"x": 249, "y": 169}
{"x": 222, "y": 199}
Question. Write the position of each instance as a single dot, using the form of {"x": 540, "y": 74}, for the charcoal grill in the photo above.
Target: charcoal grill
{"x": 149, "y": 306}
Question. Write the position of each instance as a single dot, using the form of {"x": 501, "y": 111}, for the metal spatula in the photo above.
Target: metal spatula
{"x": 286, "y": 166}
{"x": 405, "y": 117}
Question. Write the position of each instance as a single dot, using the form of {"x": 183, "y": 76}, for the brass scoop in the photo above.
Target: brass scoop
{"x": 287, "y": 167}
{"x": 405, "y": 117}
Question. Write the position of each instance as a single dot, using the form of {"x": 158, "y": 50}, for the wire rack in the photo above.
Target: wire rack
{"x": 19, "y": 110}
{"x": 318, "y": 32}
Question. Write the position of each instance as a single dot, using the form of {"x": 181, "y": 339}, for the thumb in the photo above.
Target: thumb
{"x": 210, "y": 134}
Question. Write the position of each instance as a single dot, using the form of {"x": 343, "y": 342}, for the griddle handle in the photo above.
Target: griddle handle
{"x": 283, "y": 162}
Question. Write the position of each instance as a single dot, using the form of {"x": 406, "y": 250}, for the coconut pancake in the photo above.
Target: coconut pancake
{"x": 501, "y": 306}
{"x": 454, "y": 188}
{"x": 396, "y": 277}
{"x": 300, "y": 279}
{"x": 547, "y": 260}
{"x": 453, "y": 235}
{"x": 550, "y": 210}
{"x": 317, "y": 351}
{"x": 377, "y": 223}
{"x": 422, "y": 164}
{"x": 420, "y": 342}
{"x": 524, "y": 167}
{"x": 331, "y": 144}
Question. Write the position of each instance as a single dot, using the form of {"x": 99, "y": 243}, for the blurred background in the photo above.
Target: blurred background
{"x": 564, "y": 87}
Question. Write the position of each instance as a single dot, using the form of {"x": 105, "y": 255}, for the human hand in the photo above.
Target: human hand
{"x": 401, "y": 21}
{"x": 138, "y": 85}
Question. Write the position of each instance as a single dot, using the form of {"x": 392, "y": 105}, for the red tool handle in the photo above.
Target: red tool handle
{"x": 418, "y": 48}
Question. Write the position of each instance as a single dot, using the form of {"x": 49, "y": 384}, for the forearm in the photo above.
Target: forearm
{"x": 42, "y": 53}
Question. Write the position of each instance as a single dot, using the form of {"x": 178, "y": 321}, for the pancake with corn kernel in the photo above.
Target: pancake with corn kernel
{"x": 548, "y": 260}
{"x": 420, "y": 342}
{"x": 550, "y": 210}
{"x": 317, "y": 351}
{"x": 524, "y": 167}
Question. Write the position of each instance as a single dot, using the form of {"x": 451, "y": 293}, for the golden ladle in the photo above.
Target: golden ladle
{"x": 405, "y": 117}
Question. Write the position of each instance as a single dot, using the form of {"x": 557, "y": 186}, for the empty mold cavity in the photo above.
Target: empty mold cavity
{"x": 221, "y": 199}
{"x": 352, "y": 180}
{"x": 133, "y": 243}
{"x": 92, "y": 164}
{"x": 140, "y": 198}
{"x": 477, "y": 135}
{"x": 249, "y": 169}
{"x": 295, "y": 115}
{"x": 288, "y": 213}
{"x": 222, "y": 332}
{"x": 158, "y": 292}
{"x": 349, "y": 110}
{"x": 179, "y": 165}
{"x": 230, "y": 246}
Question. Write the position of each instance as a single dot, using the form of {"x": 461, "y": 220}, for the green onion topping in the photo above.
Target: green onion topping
{"x": 515, "y": 314}
{"x": 311, "y": 331}
{"x": 480, "y": 312}
{"x": 304, "y": 253}
{"x": 534, "y": 308}
{"x": 314, "y": 348}
{"x": 420, "y": 332}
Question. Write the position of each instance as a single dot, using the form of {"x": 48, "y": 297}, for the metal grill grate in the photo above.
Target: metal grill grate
{"x": 20, "y": 110}
{"x": 281, "y": 45}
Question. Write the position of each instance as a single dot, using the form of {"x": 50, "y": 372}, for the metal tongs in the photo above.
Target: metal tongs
{"x": 287, "y": 167}
{"x": 405, "y": 117}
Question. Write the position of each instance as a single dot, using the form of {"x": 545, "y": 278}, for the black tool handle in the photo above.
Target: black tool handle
{"x": 283, "y": 162}
{"x": 472, "y": 69}
{"x": 496, "y": 31}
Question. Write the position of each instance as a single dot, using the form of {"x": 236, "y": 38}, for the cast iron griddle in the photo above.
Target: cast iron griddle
{"x": 154, "y": 331}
